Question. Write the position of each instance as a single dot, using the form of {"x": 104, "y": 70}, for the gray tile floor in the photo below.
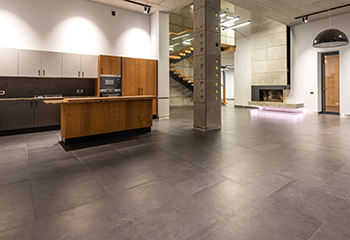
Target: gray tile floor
{"x": 264, "y": 175}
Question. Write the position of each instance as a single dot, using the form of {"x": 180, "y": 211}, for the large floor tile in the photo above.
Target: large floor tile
{"x": 52, "y": 202}
{"x": 330, "y": 231}
{"x": 227, "y": 198}
{"x": 161, "y": 211}
{"x": 266, "y": 220}
{"x": 270, "y": 183}
{"x": 307, "y": 173}
{"x": 16, "y": 205}
{"x": 61, "y": 176}
{"x": 179, "y": 172}
{"x": 79, "y": 223}
{"x": 315, "y": 201}
{"x": 199, "y": 183}
{"x": 339, "y": 183}
{"x": 127, "y": 231}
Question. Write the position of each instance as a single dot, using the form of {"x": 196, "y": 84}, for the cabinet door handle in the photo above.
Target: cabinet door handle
{"x": 39, "y": 73}
{"x": 101, "y": 70}
{"x": 139, "y": 91}
{"x": 78, "y": 73}
{"x": 82, "y": 73}
{"x": 43, "y": 72}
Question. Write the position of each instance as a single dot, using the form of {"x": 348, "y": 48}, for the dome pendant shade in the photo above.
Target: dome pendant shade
{"x": 330, "y": 38}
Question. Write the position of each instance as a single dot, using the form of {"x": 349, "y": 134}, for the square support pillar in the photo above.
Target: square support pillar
{"x": 207, "y": 65}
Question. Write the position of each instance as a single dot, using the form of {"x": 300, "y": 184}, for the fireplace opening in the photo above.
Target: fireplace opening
{"x": 271, "y": 95}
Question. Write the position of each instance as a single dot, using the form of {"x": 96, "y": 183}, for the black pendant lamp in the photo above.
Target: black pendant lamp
{"x": 331, "y": 37}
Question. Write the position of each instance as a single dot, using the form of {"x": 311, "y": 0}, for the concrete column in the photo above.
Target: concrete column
{"x": 207, "y": 65}
{"x": 160, "y": 51}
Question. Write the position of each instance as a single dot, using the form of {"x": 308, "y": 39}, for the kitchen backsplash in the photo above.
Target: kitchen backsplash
{"x": 17, "y": 87}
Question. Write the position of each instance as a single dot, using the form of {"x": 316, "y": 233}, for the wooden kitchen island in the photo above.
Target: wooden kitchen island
{"x": 82, "y": 117}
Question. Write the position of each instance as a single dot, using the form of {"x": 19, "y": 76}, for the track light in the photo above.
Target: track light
{"x": 146, "y": 8}
{"x": 305, "y": 19}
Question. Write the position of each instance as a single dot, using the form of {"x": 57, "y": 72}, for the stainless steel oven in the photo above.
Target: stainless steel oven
{"x": 110, "y": 85}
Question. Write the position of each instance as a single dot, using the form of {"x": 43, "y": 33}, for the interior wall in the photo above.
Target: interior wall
{"x": 74, "y": 26}
{"x": 230, "y": 86}
{"x": 242, "y": 73}
{"x": 305, "y": 64}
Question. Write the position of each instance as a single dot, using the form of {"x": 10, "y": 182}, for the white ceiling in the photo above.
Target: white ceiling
{"x": 283, "y": 11}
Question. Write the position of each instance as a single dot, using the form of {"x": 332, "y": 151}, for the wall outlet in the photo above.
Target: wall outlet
{"x": 2, "y": 92}
{"x": 312, "y": 93}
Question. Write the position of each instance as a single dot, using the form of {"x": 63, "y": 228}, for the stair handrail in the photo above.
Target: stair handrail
{"x": 177, "y": 34}
{"x": 224, "y": 100}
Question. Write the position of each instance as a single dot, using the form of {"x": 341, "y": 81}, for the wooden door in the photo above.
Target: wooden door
{"x": 109, "y": 65}
{"x": 149, "y": 77}
{"x": 132, "y": 75}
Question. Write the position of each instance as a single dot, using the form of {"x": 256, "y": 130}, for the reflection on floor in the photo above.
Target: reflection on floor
{"x": 265, "y": 175}
{"x": 332, "y": 109}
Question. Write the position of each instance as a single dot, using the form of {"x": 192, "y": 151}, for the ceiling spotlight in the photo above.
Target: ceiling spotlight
{"x": 306, "y": 18}
{"x": 237, "y": 25}
{"x": 149, "y": 9}
{"x": 145, "y": 10}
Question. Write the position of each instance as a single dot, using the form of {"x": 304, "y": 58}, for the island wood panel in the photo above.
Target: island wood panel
{"x": 154, "y": 107}
{"x": 91, "y": 118}
{"x": 107, "y": 65}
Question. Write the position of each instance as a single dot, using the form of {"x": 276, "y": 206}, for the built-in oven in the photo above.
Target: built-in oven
{"x": 110, "y": 85}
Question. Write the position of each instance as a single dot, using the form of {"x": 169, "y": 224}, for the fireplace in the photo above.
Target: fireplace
{"x": 269, "y": 93}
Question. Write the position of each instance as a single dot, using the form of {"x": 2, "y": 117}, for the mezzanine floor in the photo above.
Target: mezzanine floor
{"x": 265, "y": 175}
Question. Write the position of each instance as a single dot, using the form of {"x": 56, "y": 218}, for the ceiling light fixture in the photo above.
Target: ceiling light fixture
{"x": 330, "y": 37}
{"x": 222, "y": 14}
{"x": 233, "y": 19}
{"x": 237, "y": 25}
{"x": 146, "y": 8}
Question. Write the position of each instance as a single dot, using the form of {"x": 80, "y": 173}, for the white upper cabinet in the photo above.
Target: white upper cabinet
{"x": 71, "y": 65}
{"x": 76, "y": 65}
{"x": 89, "y": 65}
{"x": 51, "y": 64}
{"x": 8, "y": 62}
{"x": 29, "y": 63}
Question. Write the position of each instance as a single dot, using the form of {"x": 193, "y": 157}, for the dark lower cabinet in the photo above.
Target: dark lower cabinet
{"x": 46, "y": 114}
{"x": 16, "y": 115}
{"x": 28, "y": 114}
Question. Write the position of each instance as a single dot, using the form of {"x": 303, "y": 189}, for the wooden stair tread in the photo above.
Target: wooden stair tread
{"x": 174, "y": 57}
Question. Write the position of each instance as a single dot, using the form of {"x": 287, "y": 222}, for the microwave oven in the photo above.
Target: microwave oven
{"x": 110, "y": 85}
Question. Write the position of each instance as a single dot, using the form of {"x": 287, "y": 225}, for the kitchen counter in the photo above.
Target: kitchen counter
{"x": 43, "y": 98}
{"x": 82, "y": 117}
{"x": 100, "y": 99}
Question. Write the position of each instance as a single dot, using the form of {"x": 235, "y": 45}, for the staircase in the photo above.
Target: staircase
{"x": 176, "y": 74}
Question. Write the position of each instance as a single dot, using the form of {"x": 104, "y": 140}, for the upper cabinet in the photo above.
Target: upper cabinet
{"x": 109, "y": 65}
{"x": 89, "y": 66}
{"x": 29, "y": 63}
{"x": 39, "y": 64}
{"x": 51, "y": 64}
{"x": 8, "y": 62}
{"x": 76, "y": 65}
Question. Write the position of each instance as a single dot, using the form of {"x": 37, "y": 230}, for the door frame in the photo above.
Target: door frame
{"x": 323, "y": 82}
